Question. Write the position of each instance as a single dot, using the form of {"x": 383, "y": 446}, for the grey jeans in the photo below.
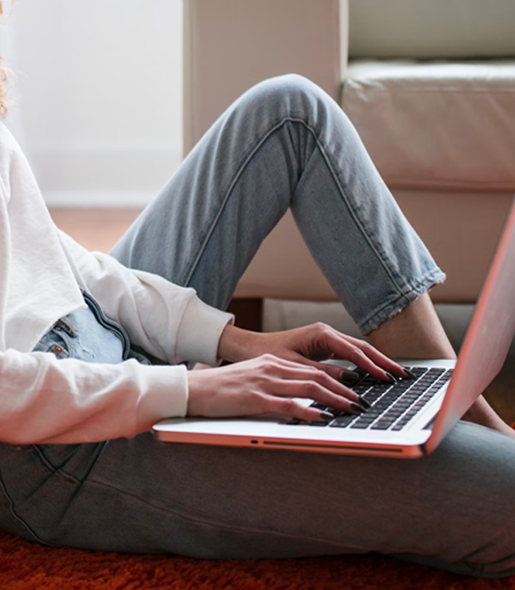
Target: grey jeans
{"x": 282, "y": 144}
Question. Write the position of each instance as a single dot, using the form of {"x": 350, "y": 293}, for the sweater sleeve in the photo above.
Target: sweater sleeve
{"x": 169, "y": 321}
{"x": 46, "y": 400}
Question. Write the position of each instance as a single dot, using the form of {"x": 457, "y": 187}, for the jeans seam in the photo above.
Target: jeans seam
{"x": 46, "y": 463}
{"x": 19, "y": 518}
{"x": 240, "y": 171}
{"x": 232, "y": 184}
{"x": 212, "y": 523}
{"x": 52, "y": 469}
{"x": 357, "y": 221}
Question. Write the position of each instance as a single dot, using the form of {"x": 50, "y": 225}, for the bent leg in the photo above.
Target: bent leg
{"x": 283, "y": 143}
{"x": 453, "y": 509}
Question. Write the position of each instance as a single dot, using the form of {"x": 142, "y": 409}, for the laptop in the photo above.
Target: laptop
{"x": 406, "y": 419}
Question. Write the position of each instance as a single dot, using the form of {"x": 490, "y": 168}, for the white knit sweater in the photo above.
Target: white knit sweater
{"x": 45, "y": 400}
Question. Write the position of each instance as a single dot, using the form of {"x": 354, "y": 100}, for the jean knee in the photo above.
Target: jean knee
{"x": 289, "y": 95}
{"x": 295, "y": 85}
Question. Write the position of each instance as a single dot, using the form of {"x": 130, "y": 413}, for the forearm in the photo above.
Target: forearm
{"x": 237, "y": 344}
{"x": 48, "y": 400}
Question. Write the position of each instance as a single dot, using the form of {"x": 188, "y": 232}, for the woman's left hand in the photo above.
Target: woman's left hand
{"x": 308, "y": 346}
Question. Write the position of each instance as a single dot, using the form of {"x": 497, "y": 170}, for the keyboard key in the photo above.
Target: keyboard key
{"x": 342, "y": 422}
{"x": 392, "y": 405}
{"x": 365, "y": 419}
{"x": 360, "y": 389}
{"x": 381, "y": 426}
{"x": 336, "y": 413}
{"x": 372, "y": 396}
{"x": 394, "y": 413}
{"x": 361, "y": 372}
{"x": 403, "y": 403}
{"x": 318, "y": 406}
{"x": 296, "y": 422}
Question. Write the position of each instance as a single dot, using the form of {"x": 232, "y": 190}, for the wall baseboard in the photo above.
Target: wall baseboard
{"x": 100, "y": 174}
{"x": 98, "y": 198}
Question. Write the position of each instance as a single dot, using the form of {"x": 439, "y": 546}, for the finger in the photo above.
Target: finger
{"x": 279, "y": 364}
{"x": 332, "y": 370}
{"x": 335, "y": 374}
{"x": 307, "y": 370}
{"x": 318, "y": 354}
{"x": 318, "y": 392}
{"x": 379, "y": 358}
{"x": 348, "y": 377}
{"x": 298, "y": 361}
{"x": 289, "y": 407}
{"x": 344, "y": 348}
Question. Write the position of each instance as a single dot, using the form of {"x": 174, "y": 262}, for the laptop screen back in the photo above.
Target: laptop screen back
{"x": 488, "y": 338}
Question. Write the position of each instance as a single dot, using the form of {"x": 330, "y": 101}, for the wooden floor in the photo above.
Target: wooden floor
{"x": 95, "y": 229}
{"x": 99, "y": 229}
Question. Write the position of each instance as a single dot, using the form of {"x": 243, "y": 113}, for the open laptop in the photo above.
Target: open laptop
{"x": 406, "y": 419}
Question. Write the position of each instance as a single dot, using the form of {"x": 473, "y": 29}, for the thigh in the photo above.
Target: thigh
{"x": 452, "y": 509}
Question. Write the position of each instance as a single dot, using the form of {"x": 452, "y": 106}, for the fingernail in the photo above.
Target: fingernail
{"x": 391, "y": 377}
{"x": 409, "y": 373}
{"x": 349, "y": 378}
{"x": 326, "y": 416}
{"x": 364, "y": 403}
{"x": 357, "y": 408}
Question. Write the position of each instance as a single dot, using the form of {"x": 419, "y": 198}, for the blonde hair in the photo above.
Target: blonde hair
{"x": 4, "y": 74}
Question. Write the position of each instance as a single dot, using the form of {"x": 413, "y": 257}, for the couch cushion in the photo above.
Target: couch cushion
{"x": 431, "y": 28}
{"x": 436, "y": 124}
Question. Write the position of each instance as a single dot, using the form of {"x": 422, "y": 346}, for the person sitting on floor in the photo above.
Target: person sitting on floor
{"x": 95, "y": 348}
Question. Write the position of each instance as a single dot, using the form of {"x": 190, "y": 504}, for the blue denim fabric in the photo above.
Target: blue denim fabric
{"x": 283, "y": 144}
{"x": 88, "y": 335}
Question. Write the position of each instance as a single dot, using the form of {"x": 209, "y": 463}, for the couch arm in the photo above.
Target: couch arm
{"x": 230, "y": 45}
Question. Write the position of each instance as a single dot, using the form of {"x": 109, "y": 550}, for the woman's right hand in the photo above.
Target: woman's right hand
{"x": 265, "y": 385}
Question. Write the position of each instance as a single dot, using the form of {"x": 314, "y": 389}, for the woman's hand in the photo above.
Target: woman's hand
{"x": 309, "y": 345}
{"x": 271, "y": 369}
{"x": 265, "y": 385}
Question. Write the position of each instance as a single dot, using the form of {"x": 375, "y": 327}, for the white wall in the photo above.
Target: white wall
{"x": 99, "y": 96}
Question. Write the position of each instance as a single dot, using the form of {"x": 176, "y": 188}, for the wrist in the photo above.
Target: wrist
{"x": 237, "y": 344}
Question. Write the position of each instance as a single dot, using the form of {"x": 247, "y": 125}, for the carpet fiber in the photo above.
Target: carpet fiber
{"x": 25, "y": 566}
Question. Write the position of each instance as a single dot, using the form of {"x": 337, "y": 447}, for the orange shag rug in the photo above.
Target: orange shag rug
{"x": 26, "y": 566}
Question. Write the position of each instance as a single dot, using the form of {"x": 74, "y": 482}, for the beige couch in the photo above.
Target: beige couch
{"x": 430, "y": 86}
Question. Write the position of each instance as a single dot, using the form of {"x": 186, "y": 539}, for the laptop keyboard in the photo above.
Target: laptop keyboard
{"x": 393, "y": 405}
